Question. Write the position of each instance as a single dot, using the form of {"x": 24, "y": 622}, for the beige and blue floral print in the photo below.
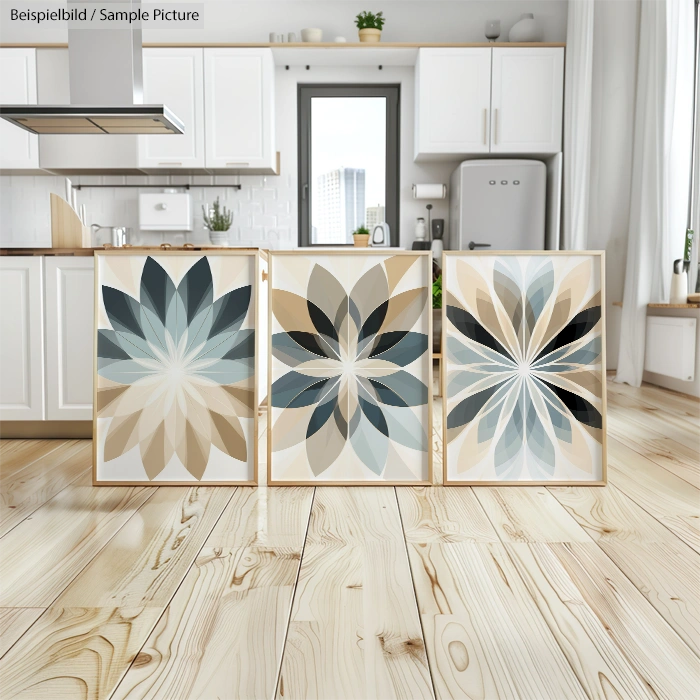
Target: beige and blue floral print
{"x": 175, "y": 369}
{"x": 350, "y": 374}
{"x": 524, "y": 373}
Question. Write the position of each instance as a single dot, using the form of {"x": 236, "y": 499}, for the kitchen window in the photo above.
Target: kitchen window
{"x": 348, "y": 161}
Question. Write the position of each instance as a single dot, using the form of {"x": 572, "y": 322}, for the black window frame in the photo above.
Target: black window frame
{"x": 392, "y": 93}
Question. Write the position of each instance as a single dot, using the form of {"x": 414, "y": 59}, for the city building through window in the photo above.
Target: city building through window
{"x": 349, "y": 162}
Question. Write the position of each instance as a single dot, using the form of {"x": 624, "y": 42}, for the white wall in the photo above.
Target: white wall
{"x": 614, "y": 87}
{"x": 407, "y": 20}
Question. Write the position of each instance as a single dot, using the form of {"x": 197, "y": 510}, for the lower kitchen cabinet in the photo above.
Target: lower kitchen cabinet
{"x": 46, "y": 332}
{"x": 69, "y": 303}
{"x": 22, "y": 394}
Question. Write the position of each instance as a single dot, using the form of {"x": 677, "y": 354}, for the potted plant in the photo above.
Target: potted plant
{"x": 370, "y": 26}
{"x": 218, "y": 221}
{"x": 360, "y": 237}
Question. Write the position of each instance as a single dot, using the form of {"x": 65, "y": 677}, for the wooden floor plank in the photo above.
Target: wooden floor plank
{"x": 91, "y": 634}
{"x": 628, "y": 421}
{"x": 664, "y": 569}
{"x": 607, "y": 514}
{"x": 443, "y": 514}
{"x": 354, "y": 630}
{"x": 528, "y": 514}
{"x": 673, "y": 501}
{"x": 668, "y": 576}
{"x": 148, "y": 558}
{"x": 17, "y": 455}
{"x": 652, "y": 397}
{"x": 14, "y": 622}
{"x": 44, "y": 553}
{"x": 598, "y": 663}
{"x": 484, "y": 634}
{"x": 222, "y": 634}
{"x": 22, "y": 492}
{"x": 667, "y": 665}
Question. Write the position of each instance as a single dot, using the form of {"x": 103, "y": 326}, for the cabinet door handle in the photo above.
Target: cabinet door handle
{"x": 495, "y": 126}
{"x": 486, "y": 112}
{"x": 239, "y": 165}
{"x": 170, "y": 163}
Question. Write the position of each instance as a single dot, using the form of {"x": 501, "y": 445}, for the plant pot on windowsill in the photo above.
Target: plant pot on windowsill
{"x": 370, "y": 36}
{"x": 360, "y": 240}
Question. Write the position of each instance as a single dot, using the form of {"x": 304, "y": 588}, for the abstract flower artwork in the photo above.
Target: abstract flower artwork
{"x": 349, "y": 397}
{"x": 524, "y": 385}
{"x": 175, "y": 368}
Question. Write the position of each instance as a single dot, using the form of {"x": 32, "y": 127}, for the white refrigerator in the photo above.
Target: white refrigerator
{"x": 498, "y": 205}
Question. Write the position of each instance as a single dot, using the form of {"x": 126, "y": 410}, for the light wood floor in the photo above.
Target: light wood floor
{"x": 482, "y": 593}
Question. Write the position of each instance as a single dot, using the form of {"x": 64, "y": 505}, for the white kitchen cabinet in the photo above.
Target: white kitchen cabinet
{"x": 453, "y": 99}
{"x": 174, "y": 77}
{"x": 239, "y": 106}
{"x": 481, "y": 100}
{"x": 69, "y": 303}
{"x": 21, "y": 338}
{"x": 527, "y": 93}
{"x": 19, "y": 150}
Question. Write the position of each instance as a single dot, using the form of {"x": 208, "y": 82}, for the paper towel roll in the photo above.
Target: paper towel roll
{"x": 431, "y": 191}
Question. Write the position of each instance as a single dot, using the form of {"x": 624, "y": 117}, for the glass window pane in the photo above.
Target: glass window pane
{"x": 348, "y": 166}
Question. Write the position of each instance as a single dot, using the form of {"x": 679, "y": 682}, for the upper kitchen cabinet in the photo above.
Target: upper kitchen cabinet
{"x": 453, "y": 98}
{"x": 174, "y": 77}
{"x": 527, "y": 93}
{"x": 239, "y": 103}
{"x": 471, "y": 101}
{"x": 19, "y": 150}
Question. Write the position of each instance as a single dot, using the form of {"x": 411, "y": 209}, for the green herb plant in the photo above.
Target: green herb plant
{"x": 218, "y": 218}
{"x": 361, "y": 231}
{"x": 368, "y": 20}
{"x": 437, "y": 293}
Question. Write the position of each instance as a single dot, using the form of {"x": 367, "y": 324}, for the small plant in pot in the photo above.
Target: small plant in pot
{"x": 370, "y": 26}
{"x": 437, "y": 307}
{"x": 217, "y": 221}
{"x": 360, "y": 237}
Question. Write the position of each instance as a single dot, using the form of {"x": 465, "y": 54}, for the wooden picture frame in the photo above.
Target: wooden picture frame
{"x": 469, "y": 277}
{"x": 242, "y": 395}
{"x": 426, "y": 357}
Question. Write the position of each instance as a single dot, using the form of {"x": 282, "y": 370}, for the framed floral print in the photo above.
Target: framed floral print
{"x": 350, "y": 398}
{"x": 175, "y": 347}
{"x": 524, "y": 379}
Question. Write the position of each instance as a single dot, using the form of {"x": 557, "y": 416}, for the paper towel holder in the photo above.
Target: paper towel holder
{"x": 429, "y": 191}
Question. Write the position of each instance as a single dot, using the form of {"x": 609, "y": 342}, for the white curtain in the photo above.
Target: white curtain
{"x": 577, "y": 121}
{"x": 660, "y": 170}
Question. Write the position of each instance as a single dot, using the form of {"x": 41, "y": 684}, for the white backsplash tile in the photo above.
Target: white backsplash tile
{"x": 261, "y": 209}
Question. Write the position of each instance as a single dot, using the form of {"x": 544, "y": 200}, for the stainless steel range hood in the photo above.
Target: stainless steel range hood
{"x": 106, "y": 88}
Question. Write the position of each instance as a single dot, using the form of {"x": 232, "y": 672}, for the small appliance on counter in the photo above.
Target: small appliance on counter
{"x": 498, "y": 204}
{"x": 118, "y": 235}
{"x": 169, "y": 210}
{"x": 379, "y": 236}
